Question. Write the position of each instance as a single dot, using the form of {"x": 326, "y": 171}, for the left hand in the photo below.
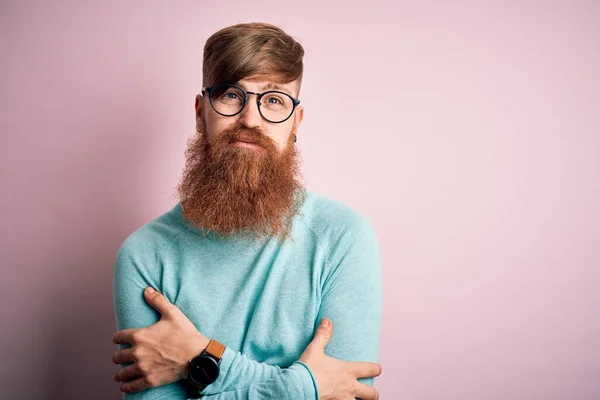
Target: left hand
{"x": 160, "y": 353}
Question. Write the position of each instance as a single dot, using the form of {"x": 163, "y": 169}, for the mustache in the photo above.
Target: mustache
{"x": 239, "y": 133}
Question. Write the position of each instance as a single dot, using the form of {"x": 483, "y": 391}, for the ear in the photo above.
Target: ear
{"x": 298, "y": 117}
{"x": 199, "y": 107}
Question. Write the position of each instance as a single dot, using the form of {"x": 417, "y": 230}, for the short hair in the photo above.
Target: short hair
{"x": 239, "y": 51}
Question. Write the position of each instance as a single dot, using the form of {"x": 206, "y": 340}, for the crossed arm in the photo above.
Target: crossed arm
{"x": 351, "y": 299}
{"x": 166, "y": 346}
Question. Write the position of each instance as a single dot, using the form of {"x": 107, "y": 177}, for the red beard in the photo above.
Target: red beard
{"x": 242, "y": 192}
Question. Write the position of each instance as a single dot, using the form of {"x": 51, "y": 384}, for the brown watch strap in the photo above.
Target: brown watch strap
{"x": 215, "y": 349}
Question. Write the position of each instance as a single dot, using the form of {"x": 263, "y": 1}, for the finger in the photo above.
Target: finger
{"x": 128, "y": 373}
{"x": 365, "y": 392}
{"x": 158, "y": 301}
{"x": 124, "y": 336}
{"x": 323, "y": 334}
{"x": 123, "y": 356}
{"x": 135, "y": 386}
{"x": 365, "y": 369}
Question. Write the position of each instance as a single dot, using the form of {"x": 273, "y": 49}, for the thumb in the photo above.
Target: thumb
{"x": 158, "y": 301}
{"x": 323, "y": 334}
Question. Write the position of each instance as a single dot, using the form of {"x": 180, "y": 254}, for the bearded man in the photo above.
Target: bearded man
{"x": 234, "y": 292}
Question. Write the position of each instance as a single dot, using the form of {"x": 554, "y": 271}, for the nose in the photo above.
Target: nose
{"x": 250, "y": 116}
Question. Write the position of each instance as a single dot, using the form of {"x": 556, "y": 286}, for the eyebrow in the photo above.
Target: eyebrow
{"x": 267, "y": 87}
{"x": 270, "y": 86}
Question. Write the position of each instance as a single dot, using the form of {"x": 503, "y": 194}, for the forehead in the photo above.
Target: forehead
{"x": 261, "y": 84}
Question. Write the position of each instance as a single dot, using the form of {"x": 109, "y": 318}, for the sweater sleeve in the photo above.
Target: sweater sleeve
{"x": 239, "y": 378}
{"x": 352, "y": 295}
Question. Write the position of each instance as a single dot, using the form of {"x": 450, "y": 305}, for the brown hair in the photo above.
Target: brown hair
{"x": 248, "y": 49}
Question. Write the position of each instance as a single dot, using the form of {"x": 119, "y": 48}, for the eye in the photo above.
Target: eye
{"x": 274, "y": 100}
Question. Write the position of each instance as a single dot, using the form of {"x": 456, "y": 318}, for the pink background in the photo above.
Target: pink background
{"x": 468, "y": 134}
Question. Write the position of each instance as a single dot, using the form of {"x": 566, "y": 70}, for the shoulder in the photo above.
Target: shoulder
{"x": 349, "y": 241}
{"x": 152, "y": 236}
{"x": 334, "y": 221}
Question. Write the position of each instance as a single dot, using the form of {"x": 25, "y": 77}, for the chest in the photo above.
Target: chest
{"x": 261, "y": 301}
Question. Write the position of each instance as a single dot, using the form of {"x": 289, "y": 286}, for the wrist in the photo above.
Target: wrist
{"x": 196, "y": 345}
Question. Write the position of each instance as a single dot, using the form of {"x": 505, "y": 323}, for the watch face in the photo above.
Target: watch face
{"x": 203, "y": 370}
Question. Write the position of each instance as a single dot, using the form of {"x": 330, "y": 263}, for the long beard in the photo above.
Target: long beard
{"x": 241, "y": 192}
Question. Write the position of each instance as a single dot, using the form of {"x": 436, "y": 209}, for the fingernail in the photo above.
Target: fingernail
{"x": 150, "y": 289}
{"x": 325, "y": 323}
{"x": 116, "y": 378}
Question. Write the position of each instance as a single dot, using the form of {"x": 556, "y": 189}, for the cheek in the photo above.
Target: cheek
{"x": 214, "y": 127}
{"x": 282, "y": 137}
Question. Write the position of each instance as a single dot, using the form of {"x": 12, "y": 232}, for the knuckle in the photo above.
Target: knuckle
{"x": 348, "y": 369}
{"x": 155, "y": 382}
{"x": 125, "y": 374}
{"x": 350, "y": 388}
{"x": 323, "y": 333}
{"x": 143, "y": 367}
{"x": 135, "y": 336}
{"x": 148, "y": 381}
{"x": 136, "y": 353}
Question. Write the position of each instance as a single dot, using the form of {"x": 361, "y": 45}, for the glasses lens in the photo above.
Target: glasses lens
{"x": 227, "y": 100}
{"x": 276, "y": 106}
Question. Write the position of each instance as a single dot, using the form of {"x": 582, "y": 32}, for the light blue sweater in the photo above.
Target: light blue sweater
{"x": 263, "y": 300}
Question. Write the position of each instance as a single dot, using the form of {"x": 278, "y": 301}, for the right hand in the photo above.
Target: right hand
{"x": 337, "y": 379}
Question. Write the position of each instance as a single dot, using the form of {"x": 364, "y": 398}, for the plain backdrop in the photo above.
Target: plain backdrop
{"x": 467, "y": 132}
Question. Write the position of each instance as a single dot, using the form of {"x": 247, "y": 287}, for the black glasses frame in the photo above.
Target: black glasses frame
{"x": 259, "y": 96}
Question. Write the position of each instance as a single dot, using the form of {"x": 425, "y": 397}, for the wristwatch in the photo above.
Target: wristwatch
{"x": 204, "y": 368}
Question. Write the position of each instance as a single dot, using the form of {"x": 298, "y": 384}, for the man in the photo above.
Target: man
{"x": 221, "y": 296}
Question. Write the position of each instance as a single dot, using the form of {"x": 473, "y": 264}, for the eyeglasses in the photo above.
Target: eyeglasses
{"x": 229, "y": 100}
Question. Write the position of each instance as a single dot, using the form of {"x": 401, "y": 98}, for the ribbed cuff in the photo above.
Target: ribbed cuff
{"x": 224, "y": 366}
{"x": 311, "y": 389}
